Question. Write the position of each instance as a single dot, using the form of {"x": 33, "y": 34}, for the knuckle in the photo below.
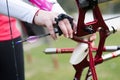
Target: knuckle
{"x": 66, "y": 21}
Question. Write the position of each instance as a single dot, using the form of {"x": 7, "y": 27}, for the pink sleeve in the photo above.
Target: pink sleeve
{"x": 42, "y": 4}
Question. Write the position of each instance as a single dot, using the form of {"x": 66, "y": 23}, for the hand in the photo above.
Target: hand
{"x": 46, "y": 18}
{"x": 92, "y": 37}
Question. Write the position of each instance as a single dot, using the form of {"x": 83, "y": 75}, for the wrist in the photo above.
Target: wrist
{"x": 36, "y": 14}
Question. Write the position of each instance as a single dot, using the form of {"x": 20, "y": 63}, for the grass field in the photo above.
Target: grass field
{"x": 41, "y": 67}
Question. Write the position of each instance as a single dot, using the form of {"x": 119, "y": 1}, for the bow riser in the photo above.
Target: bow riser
{"x": 83, "y": 28}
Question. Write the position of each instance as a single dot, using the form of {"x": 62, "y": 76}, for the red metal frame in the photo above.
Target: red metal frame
{"x": 97, "y": 24}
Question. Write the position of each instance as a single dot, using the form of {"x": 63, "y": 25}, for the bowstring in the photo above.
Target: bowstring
{"x": 13, "y": 42}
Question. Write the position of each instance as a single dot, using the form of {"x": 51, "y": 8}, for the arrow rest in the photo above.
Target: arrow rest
{"x": 89, "y": 29}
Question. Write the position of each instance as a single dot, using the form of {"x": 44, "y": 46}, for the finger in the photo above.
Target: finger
{"x": 49, "y": 25}
{"x": 63, "y": 28}
{"x": 68, "y": 27}
{"x": 93, "y": 37}
{"x": 74, "y": 27}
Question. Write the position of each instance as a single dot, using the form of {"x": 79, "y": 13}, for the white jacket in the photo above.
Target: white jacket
{"x": 18, "y": 9}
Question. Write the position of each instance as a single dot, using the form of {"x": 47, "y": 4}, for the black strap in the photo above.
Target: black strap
{"x": 61, "y": 17}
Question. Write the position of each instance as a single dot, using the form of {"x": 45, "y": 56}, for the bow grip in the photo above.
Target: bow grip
{"x": 61, "y": 17}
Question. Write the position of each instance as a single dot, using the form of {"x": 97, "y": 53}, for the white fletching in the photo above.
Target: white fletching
{"x": 79, "y": 53}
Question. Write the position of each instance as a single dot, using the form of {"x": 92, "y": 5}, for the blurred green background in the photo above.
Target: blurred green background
{"x": 40, "y": 66}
